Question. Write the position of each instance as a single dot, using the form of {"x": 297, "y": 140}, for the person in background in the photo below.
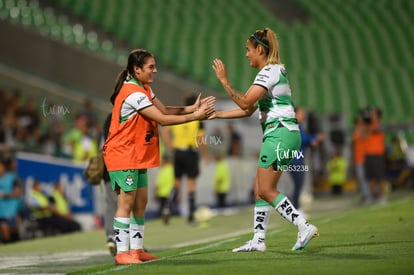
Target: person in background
{"x": 41, "y": 207}
{"x": 184, "y": 142}
{"x": 28, "y": 120}
{"x": 358, "y": 153}
{"x": 60, "y": 208}
{"x": 110, "y": 197}
{"x": 132, "y": 147}
{"x": 164, "y": 182}
{"x": 270, "y": 92}
{"x": 235, "y": 143}
{"x": 78, "y": 144}
{"x": 92, "y": 117}
{"x": 10, "y": 202}
{"x": 298, "y": 163}
{"x": 397, "y": 168}
{"x": 375, "y": 155}
{"x": 337, "y": 172}
{"x": 222, "y": 180}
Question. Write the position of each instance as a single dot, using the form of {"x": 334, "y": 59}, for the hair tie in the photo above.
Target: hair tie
{"x": 259, "y": 41}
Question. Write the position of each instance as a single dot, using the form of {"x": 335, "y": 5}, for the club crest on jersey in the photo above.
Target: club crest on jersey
{"x": 129, "y": 180}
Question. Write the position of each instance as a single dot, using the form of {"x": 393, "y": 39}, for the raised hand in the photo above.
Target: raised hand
{"x": 220, "y": 69}
{"x": 197, "y": 103}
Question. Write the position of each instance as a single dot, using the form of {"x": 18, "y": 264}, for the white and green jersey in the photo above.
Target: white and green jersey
{"x": 134, "y": 102}
{"x": 276, "y": 105}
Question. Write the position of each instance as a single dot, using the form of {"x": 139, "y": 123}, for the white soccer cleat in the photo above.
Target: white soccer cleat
{"x": 250, "y": 247}
{"x": 305, "y": 236}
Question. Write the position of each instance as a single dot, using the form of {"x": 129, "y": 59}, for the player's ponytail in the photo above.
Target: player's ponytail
{"x": 136, "y": 58}
{"x": 118, "y": 84}
{"x": 273, "y": 56}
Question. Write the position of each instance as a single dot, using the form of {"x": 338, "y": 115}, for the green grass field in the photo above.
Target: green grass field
{"x": 376, "y": 239}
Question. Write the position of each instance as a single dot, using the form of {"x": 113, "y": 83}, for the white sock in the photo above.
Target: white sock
{"x": 261, "y": 220}
{"x": 136, "y": 236}
{"x": 121, "y": 229}
{"x": 286, "y": 209}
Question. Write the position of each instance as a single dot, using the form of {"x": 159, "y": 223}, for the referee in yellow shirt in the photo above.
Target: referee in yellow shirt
{"x": 185, "y": 142}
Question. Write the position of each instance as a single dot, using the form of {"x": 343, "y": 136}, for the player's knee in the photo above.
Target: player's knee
{"x": 262, "y": 193}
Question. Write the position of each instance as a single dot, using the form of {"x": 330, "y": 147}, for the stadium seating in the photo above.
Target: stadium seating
{"x": 349, "y": 55}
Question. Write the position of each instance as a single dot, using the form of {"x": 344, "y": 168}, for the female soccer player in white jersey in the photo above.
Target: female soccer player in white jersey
{"x": 270, "y": 92}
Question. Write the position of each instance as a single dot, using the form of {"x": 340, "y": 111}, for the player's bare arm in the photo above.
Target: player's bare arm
{"x": 244, "y": 101}
{"x": 234, "y": 113}
{"x": 180, "y": 110}
{"x": 152, "y": 112}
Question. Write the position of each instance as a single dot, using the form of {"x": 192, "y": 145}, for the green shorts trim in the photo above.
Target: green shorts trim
{"x": 129, "y": 180}
{"x": 279, "y": 148}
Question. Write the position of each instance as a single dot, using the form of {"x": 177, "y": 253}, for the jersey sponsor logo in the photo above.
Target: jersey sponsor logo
{"x": 262, "y": 77}
{"x": 263, "y": 158}
{"x": 139, "y": 100}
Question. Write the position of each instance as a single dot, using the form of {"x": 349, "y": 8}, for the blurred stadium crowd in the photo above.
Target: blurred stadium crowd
{"x": 39, "y": 127}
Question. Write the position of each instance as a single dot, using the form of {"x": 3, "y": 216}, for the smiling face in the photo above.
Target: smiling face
{"x": 145, "y": 75}
{"x": 256, "y": 55}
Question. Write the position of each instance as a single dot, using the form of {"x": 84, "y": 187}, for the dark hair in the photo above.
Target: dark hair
{"x": 365, "y": 114}
{"x": 136, "y": 58}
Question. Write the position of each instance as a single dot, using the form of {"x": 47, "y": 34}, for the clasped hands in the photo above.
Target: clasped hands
{"x": 204, "y": 107}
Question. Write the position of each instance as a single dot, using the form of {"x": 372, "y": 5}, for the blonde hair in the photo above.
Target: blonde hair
{"x": 267, "y": 39}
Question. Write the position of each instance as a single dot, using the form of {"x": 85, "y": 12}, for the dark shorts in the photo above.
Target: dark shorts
{"x": 374, "y": 167}
{"x": 186, "y": 163}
